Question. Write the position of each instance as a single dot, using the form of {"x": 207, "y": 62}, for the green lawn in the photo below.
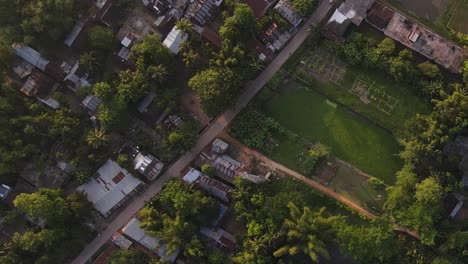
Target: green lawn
{"x": 409, "y": 103}
{"x": 307, "y": 113}
{"x": 458, "y": 20}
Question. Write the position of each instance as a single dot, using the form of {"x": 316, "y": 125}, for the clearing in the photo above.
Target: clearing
{"x": 316, "y": 119}
{"x": 369, "y": 92}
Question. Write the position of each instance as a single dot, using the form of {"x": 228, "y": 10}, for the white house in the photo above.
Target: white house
{"x": 174, "y": 39}
{"x": 111, "y": 188}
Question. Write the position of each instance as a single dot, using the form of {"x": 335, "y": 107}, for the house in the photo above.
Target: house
{"x": 259, "y": 7}
{"x": 147, "y": 165}
{"x": 75, "y": 77}
{"x": 91, "y": 104}
{"x": 121, "y": 241}
{"x": 127, "y": 42}
{"x": 263, "y": 53}
{"x": 203, "y": 11}
{"x": 23, "y": 69}
{"x": 287, "y": 11}
{"x": 146, "y": 102}
{"x": 253, "y": 178}
{"x": 227, "y": 167}
{"x": 76, "y": 30}
{"x": 4, "y": 191}
{"x": 111, "y": 188}
{"x": 30, "y": 55}
{"x": 159, "y": 7}
{"x": 173, "y": 40}
{"x": 223, "y": 239}
{"x": 219, "y": 146}
{"x": 133, "y": 231}
{"x": 210, "y": 185}
{"x": 37, "y": 84}
{"x": 417, "y": 37}
{"x": 349, "y": 12}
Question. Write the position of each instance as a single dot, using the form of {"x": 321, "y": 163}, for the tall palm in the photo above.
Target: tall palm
{"x": 305, "y": 232}
{"x": 184, "y": 46}
{"x": 5, "y": 248}
{"x": 184, "y": 25}
{"x": 89, "y": 61}
{"x": 97, "y": 138}
{"x": 190, "y": 57}
{"x": 157, "y": 73}
{"x": 177, "y": 233}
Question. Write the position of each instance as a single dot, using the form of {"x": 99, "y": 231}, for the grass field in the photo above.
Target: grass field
{"x": 308, "y": 114}
{"x": 409, "y": 103}
{"x": 458, "y": 21}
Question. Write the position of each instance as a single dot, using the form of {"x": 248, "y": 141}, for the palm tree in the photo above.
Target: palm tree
{"x": 89, "y": 62}
{"x": 5, "y": 248}
{"x": 305, "y": 232}
{"x": 184, "y": 25}
{"x": 184, "y": 46}
{"x": 157, "y": 72}
{"x": 256, "y": 64}
{"x": 190, "y": 57}
{"x": 176, "y": 233}
{"x": 97, "y": 138}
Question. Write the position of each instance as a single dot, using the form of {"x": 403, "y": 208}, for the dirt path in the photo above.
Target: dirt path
{"x": 321, "y": 188}
{"x": 272, "y": 164}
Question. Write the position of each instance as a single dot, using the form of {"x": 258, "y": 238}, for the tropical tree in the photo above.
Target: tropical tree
{"x": 190, "y": 57}
{"x": 306, "y": 232}
{"x": 100, "y": 38}
{"x": 97, "y": 138}
{"x": 304, "y": 6}
{"x": 157, "y": 73}
{"x": 129, "y": 256}
{"x": 89, "y": 61}
{"x": 184, "y": 25}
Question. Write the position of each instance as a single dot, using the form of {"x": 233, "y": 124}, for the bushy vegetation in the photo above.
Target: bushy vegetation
{"x": 256, "y": 130}
{"x": 315, "y": 154}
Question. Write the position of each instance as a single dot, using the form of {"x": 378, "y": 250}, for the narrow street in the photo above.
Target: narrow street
{"x": 207, "y": 135}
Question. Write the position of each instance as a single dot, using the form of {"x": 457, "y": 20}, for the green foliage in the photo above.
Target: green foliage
{"x": 151, "y": 51}
{"x": 256, "y": 130}
{"x": 175, "y": 216}
{"x": 46, "y": 203}
{"x": 113, "y": 115}
{"x": 240, "y": 26}
{"x": 97, "y": 138}
{"x": 89, "y": 62}
{"x": 100, "y": 38}
{"x": 304, "y": 6}
{"x": 129, "y": 256}
{"x": 371, "y": 244}
{"x": 376, "y": 183}
{"x": 386, "y": 47}
{"x": 208, "y": 169}
{"x": 306, "y": 232}
{"x": 429, "y": 70}
{"x": 464, "y": 72}
{"x": 316, "y": 153}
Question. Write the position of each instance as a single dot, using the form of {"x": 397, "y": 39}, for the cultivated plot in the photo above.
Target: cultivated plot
{"x": 376, "y": 96}
{"x": 320, "y": 63}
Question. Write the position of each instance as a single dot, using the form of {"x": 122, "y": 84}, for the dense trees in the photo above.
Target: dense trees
{"x": 305, "y": 232}
{"x": 175, "y": 216}
{"x": 129, "y": 256}
{"x": 100, "y": 38}
{"x": 304, "y": 6}
{"x": 64, "y": 233}
{"x": 39, "y": 21}
{"x": 315, "y": 154}
{"x": 240, "y": 26}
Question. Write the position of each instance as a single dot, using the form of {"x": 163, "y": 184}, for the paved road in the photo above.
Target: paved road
{"x": 207, "y": 135}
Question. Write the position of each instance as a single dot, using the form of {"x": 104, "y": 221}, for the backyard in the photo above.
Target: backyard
{"x": 316, "y": 119}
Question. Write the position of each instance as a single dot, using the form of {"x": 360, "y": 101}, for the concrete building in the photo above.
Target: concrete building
{"x": 219, "y": 146}
{"x": 111, "y": 188}
{"x": 147, "y": 165}
{"x": 349, "y": 12}
{"x": 417, "y": 37}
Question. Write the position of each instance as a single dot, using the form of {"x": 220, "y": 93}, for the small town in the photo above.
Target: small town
{"x": 233, "y": 131}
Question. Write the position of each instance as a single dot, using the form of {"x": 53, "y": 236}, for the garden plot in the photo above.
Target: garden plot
{"x": 370, "y": 94}
{"x": 323, "y": 64}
